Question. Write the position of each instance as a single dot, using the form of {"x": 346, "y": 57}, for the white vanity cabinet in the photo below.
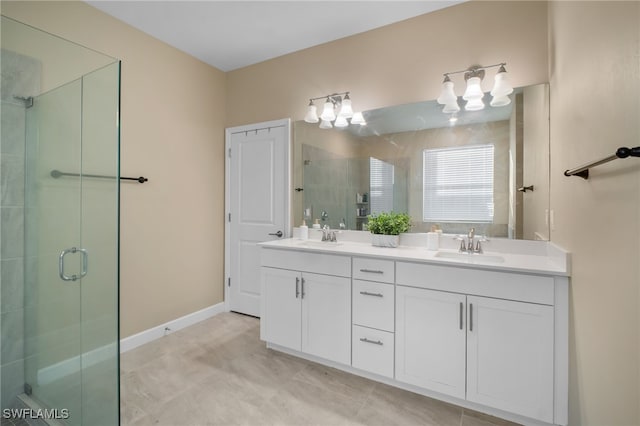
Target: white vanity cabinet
{"x": 307, "y": 311}
{"x": 373, "y": 316}
{"x": 431, "y": 339}
{"x": 487, "y": 350}
{"x": 510, "y": 356}
{"x": 492, "y": 338}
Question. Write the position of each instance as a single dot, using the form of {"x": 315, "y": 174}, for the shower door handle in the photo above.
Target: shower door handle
{"x": 85, "y": 264}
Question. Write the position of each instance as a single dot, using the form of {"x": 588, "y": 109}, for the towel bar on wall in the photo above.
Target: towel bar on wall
{"x": 583, "y": 171}
{"x": 57, "y": 173}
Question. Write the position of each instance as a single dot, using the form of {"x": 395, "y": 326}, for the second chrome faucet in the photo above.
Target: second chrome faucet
{"x": 470, "y": 247}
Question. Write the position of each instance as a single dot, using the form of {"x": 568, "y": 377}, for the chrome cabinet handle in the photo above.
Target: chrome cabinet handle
{"x": 470, "y": 316}
{"x": 366, "y": 293}
{"x": 372, "y": 271}
{"x": 84, "y": 268}
{"x": 278, "y": 234}
{"x": 374, "y": 342}
{"x": 461, "y": 320}
{"x": 302, "y": 282}
{"x": 297, "y": 287}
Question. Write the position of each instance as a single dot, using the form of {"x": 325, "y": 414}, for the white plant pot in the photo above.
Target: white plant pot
{"x": 380, "y": 240}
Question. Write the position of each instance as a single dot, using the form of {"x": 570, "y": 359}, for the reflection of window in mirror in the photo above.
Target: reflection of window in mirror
{"x": 380, "y": 186}
{"x": 458, "y": 184}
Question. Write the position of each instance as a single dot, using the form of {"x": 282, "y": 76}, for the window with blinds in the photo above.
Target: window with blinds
{"x": 380, "y": 186}
{"x": 458, "y": 184}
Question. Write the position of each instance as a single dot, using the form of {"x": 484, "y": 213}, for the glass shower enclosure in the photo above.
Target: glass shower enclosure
{"x": 59, "y": 229}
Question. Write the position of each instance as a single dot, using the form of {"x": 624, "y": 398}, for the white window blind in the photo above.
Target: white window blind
{"x": 380, "y": 186}
{"x": 458, "y": 184}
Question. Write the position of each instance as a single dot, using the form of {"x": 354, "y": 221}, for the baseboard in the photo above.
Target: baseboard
{"x": 72, "y": 365}
{"x": 154, "y": 333}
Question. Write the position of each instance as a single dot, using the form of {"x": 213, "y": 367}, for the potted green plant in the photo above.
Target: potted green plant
{"x": 386, "y": 228}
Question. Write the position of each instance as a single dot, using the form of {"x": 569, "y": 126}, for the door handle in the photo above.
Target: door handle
{"x": 278, "y": 234}
{"x": 526, "y": 188}
{"x": 84, "y": 268}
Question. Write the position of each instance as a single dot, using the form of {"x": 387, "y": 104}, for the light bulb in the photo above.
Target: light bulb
{"x": 346, "y": 111}
{"x": 326, "y": 124}
{"x": 341, "y": 122}
{"x": 358, "y": 118}
{"x": 501, "y": 85}
{"x": 474, "y": 89}
{"x": 499, "y": 101}
{"x": 451, "y": 107}
{"x": 312, "y": 114}
{"x": 447, "y": 95}
{"x": 474, "y": 105}
{"x": 328, "y": 114}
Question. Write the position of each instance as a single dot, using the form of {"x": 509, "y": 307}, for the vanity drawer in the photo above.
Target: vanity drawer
{"x": 372, "y": 350}
{"x": 317, "y": 263}
{"x": 373, "y": 304}
{"x": 373, "y": 269}
{"x": 502, "y": 285}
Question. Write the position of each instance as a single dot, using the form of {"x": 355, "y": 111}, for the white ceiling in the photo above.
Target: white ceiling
{"x": 234, "y": 34}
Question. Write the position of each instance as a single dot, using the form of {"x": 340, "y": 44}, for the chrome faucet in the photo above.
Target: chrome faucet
{"x": 327, "y": 235}
{"x": 469, "y": 246}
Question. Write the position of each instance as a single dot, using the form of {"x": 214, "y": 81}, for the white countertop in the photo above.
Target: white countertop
{"x": 555, "y": 261}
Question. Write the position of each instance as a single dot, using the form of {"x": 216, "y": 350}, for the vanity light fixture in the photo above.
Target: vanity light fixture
{"x": 337, "y": 108}
{"x": 474, "y": 93}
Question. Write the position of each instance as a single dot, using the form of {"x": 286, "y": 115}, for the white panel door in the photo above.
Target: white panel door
{"x": 431, "y": 339}
{"x": 281, "y": 307}
{"x": 258, "y": 208}
{"x": 326, "y": 317}
{"x": 510, "y": 356}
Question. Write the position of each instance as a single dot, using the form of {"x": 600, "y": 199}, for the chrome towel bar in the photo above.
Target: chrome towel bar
{"x": 57, "y": 173}
{"x": 583, "y": 171}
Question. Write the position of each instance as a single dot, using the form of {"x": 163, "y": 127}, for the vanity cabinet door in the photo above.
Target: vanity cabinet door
{"x": 281, "y": 307}
{"x": 431, "y": 339}
{"x": 326, "y": 317}
{"x": 510, "y": 356}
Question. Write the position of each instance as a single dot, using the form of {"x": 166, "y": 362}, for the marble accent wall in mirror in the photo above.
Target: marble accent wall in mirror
{"x": 474, "y": 172}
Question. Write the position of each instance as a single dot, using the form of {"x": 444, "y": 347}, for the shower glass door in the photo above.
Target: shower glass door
{"x": 71, "y": 249}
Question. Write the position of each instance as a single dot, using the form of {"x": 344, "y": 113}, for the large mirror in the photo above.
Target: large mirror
{"x": 485, "y": 169}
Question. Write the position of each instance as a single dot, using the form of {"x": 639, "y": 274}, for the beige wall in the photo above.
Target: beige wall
{"x": 396, "y": 64}
{"x": 595, "y": 95}
{"x": 172, "y": 131}
{"x": 173, "y": 117}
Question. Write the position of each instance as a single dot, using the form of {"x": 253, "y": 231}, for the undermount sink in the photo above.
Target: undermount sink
{"x": 470, "y": 257}
{"x": 314, "y": 243}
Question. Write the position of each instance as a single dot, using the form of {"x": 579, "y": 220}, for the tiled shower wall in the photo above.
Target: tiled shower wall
{"x": 21, "y": 78}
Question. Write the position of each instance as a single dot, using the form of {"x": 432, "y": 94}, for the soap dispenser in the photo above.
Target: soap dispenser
{"x": 304, "y": 231}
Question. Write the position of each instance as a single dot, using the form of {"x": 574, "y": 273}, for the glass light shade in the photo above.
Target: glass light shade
{"x": 451, "y": 107}
{"x": 312, "y": 114}
{"x": 358, "y": 118}
{"x": 328, "y": 114}
{"x": 474, "y": 89}
{"x": 499, "y": 101}
{"x": 501, "y": 85}
{"x": 447, "y": 96}
{"x": 346, "y": 110}
{"x": 474, "y": 105}
{"x": 341, "y": 122}
{"x": 326, "y": 124}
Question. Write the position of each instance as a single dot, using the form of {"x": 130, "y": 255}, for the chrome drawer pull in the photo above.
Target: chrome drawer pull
{"x": 372, "y": 271}
{"x": 366, "y": 293}
{"x": 375, "y": 342}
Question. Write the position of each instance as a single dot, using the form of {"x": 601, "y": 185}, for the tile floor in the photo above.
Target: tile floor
{"x": 218, "y": 372}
